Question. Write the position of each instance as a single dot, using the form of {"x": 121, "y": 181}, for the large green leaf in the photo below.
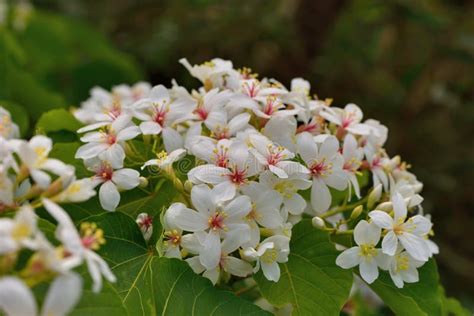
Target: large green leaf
{"x": 106, "y": 302}
{"x": 421, "y": 298}
{"x": 149, "y": 285}
{"x": 57, "y": 120}
{"x": 311, "y": 281}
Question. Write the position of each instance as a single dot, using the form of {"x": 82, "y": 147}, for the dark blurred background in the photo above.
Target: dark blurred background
{"x": 409, "y": 64}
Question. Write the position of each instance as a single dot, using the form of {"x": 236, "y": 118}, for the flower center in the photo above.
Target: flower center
{"x": 173, "y": 237}
{"x": 251, "y": 89}
{"x": 269, "y": 256}
{"x": 285, "y": 188}
{"x": 275, "y": 154}
{"x": 352, "y": 165}
{"x": 220, "y": 156}
{"x": 220, "y": 133}
{"x": 238, "y": 176}
{"x": 201, "y": 112}
{"x": 21, "y": 231}
{"x": 321, "y": 168}
{"x": 402, "y": 263}
{"x": 216, "y": 221}
{"x": 159, "y": 115}
{"x": 368, "y": 250}
{"x": 105, "y": 172}
{"x": 91, "y": 236}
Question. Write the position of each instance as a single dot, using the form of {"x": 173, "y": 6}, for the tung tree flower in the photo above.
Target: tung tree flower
{"x": 409, "y": 232}
{"x": 364, "y": 255}
{"x": 325, "y": 164}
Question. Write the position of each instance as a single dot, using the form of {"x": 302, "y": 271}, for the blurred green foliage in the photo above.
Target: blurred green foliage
{"x": 409, "y": 64}
{"x": 52, "y": 62}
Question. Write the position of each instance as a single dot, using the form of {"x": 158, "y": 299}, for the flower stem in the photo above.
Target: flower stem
{"x": 343, "y": 208}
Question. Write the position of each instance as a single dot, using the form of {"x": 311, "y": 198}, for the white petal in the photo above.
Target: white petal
{"x": 337, "y": 180}
{"x": 349, "y": 258}
{"x": 109, "y": 196}
{"x": 126, "y": 179}
{"x": 16, "y": 298}
{"x": 63, "y": 294}
{"x": 186, "y": 219}
{"x": 203, "y": 199}
{"x": 368, "y": 270}
{"x": 238, "y": 123}
{"x": 237, "y": 267}
{"x": 390, "y": 243}
{"x": 381, "y": 219}
{"x": 418, "y": 225}
{"x": 399, "y": 206}
{"x": 415, "y": 246}
{"x": 128, "y": 133}
{"x": 366, "y": 234}
{"x": 271, "y": 271}
{"x": 150, "y": 128}
{"x": 295, "y": 205}
{"x": 329, "y": 147}
{"x": 238, "y": 208}
{"x": 307, "y": 148}
{"x": 211, "y": 251}
{"x": 114, "y": 154}
{"x": 320, "y": 196}
{"x": 172, "y": 139}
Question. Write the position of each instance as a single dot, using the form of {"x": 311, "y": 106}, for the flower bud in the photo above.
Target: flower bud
{"x": 188, "y": 185}
{"x": 385, "y": 206}
{"x": 145, "y": 222}
{"x": 318, "y": 222}
{"x": 143, "y": 182}
{"x": 356, "y": 212}
{"x": 374, "y": 196}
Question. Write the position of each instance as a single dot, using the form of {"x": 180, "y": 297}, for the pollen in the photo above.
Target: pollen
{"x": 173, "y": 238}
{"x": 270, "y": 256}
{"x": 368, "y": 251}
{"x": 91, "y": 236}
{"x": 21, "y": 231}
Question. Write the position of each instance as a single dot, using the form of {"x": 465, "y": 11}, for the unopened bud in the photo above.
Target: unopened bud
{"x": 318, "y": 222}
{"x": 385, "y": 206}
{"x": 145, "y": 222}
{"x": 374, "y": 196}
{"x": 143, "y": 182}
{"x": 356, "y": 212}
{"x": 188, "y": 185}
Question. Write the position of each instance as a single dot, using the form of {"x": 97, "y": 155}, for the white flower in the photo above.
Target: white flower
{"x": 17, "y": 299}
{"x": 238, "y": 167}
{"x": 265, "y": 210}
{"x": 223, "y": 127}
{"x": 76, "y": 191}
{"x": 217, "y": 73}
{"x": 325, "y": 164}
{"x": 269, "y": 253}
{"x": 18, "y": 232}
{"x": 107, "y": 143}
{"x": 226, "y": 262}
{"x": 364, "y": 255}
{"x": 112, "y": 181}
{"x": 164, "y": 160}
{"x": 282, "y": 130}
{"x": 409, "y": 232}
{"x": 158, "y": 115}
{"x": 8, "y": 129}
{"x": 403, "y": 268}
{"x": 145, "y": 222}
{"x": 227, "y": 221}
{"x": 34, "y": 155}
{"x": 352, "y": 154}
{"x": 273, "y": 157}
{"x": 6, "y": 188}
{"x": 80, "y": 247}
{"x": 130, "y": 94}
{"x": 288, "y": 188}
{"x": 377, "y": 163}
{"x": 348, "y": 119}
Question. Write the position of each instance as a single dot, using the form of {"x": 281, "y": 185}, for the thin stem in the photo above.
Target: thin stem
{"x": 343, "y": 208}
{"x": 246, "y": 289}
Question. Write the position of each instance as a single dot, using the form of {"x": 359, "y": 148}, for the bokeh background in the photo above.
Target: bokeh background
{"x": 407, "y": 63}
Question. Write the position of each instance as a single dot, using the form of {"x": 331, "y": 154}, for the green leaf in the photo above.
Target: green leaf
{"x": 421, "y": 298}
{"x": 311, "y": 281}
{"x": 66, "y": 152}
{"x": 106, "y": 302}
{"x": 57, "y": 120}
{"x": 149, "y": 285}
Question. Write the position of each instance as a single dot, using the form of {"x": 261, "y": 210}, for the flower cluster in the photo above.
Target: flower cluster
{"x": 31, "y": 180}
{"x": 265, "y": 157}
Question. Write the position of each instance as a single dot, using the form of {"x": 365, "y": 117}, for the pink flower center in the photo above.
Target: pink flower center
{"x": 105, "y": 172}
{"x": 238, "y": 176}
{"x": 216, "y": 221}
{"x": 201, "y": 112}
{"x": 115, "y": 111}
{"x": 320, "y": 168}
{"x": 159, "y": 115}
{"x": 251, "y": 89}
